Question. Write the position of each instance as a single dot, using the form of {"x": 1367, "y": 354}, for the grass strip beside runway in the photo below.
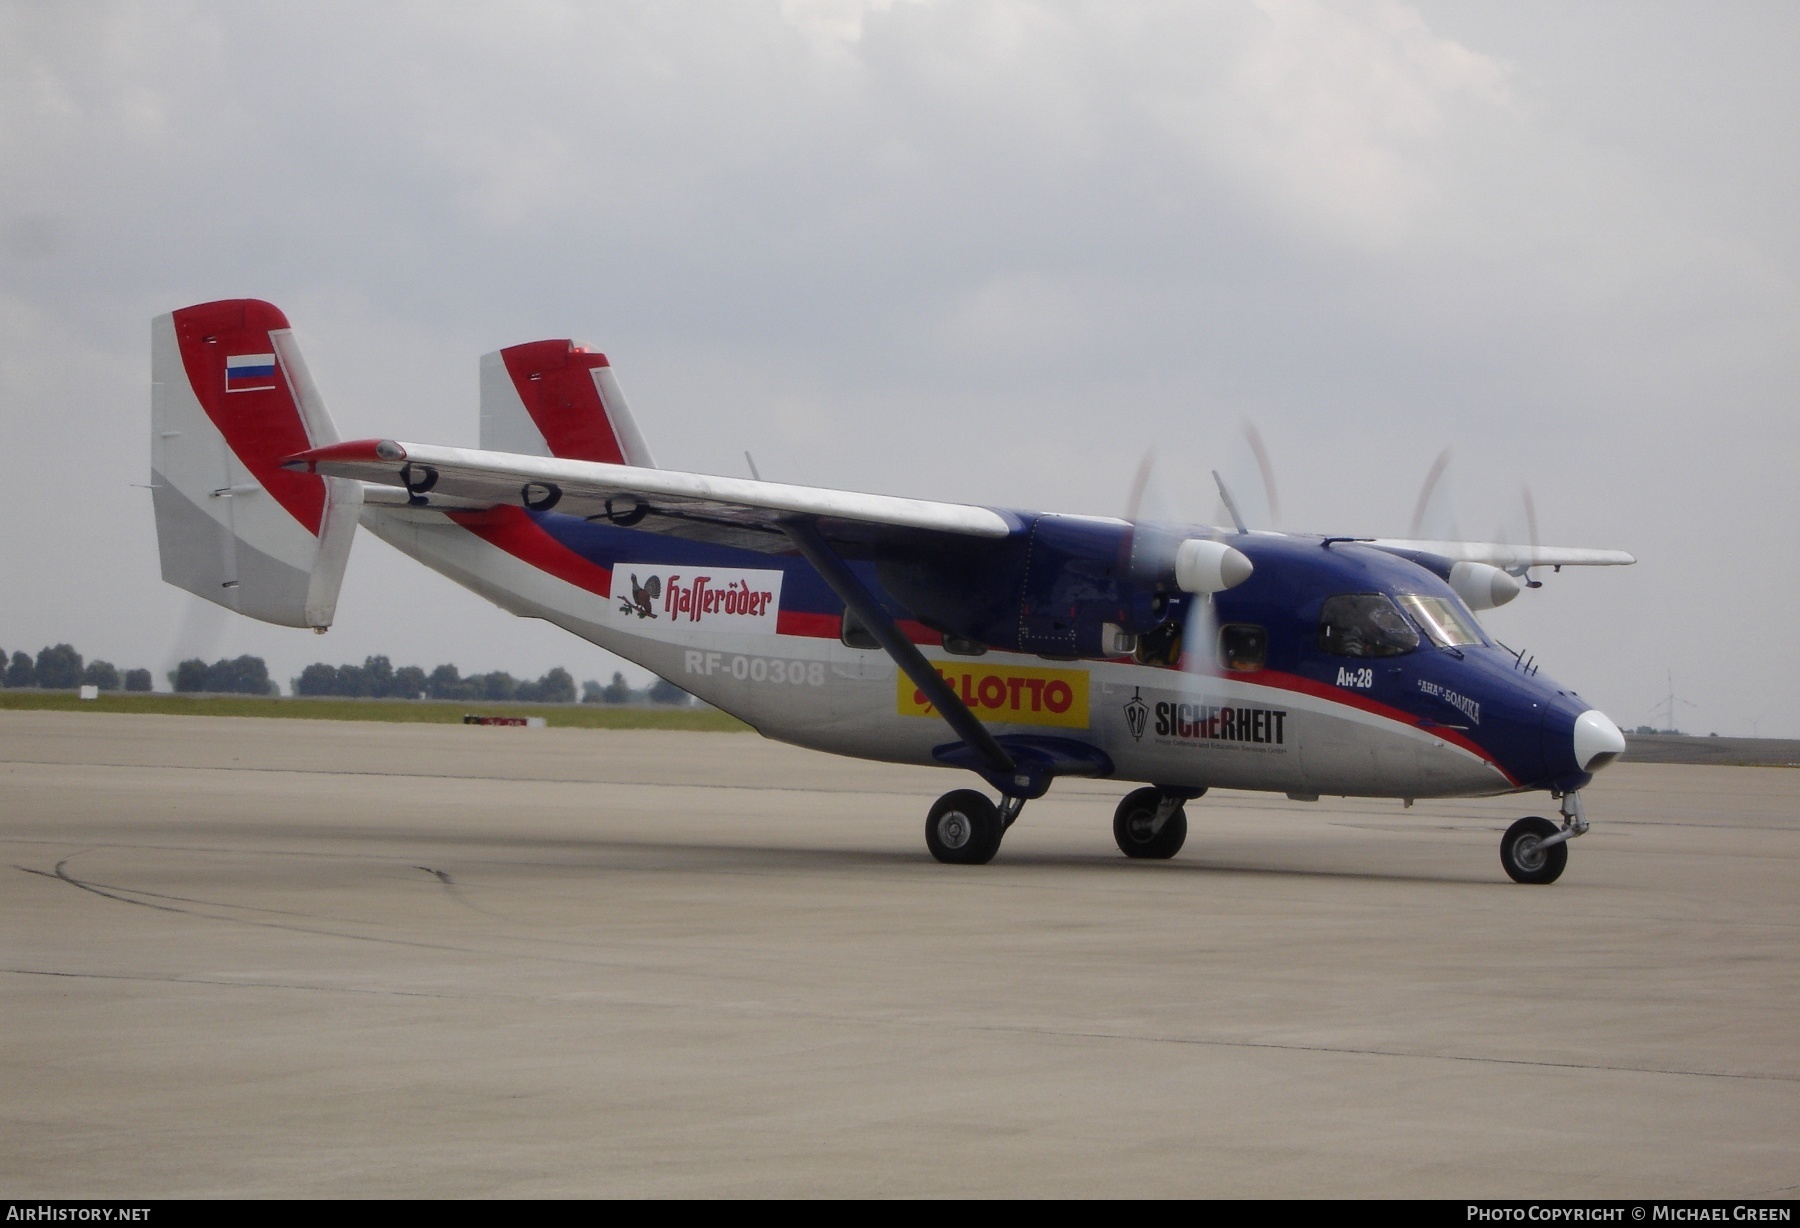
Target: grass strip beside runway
{"x": 435, "y": 712}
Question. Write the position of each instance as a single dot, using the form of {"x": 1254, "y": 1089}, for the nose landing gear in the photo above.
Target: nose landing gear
{"x": 1535, "y": 850}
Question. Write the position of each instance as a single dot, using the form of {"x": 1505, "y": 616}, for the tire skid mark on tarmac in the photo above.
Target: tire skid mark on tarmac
{"x": 195, "y": 980}
{"x": 885, "y": 861}
{"x": 123, "y": 895}
{"x": 1351, "y": 1051}
{"x": 62, "y": 873}
{"x": 158, "y": 895}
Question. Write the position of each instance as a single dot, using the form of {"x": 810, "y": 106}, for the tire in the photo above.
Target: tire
{"x": 964, "y": 829}
{"x": 1525, "y": 859}
{"x": 1131, "y": 827}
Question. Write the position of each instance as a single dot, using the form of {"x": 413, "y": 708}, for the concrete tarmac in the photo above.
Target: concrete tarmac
{"x": 299, "y": 958}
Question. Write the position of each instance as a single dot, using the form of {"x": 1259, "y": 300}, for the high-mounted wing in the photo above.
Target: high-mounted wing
{"x": 1514, "y": 559}
{"x": 729, "y": 511}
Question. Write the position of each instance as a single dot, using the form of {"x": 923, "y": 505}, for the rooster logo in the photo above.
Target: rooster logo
{"x": 641, "y": 597}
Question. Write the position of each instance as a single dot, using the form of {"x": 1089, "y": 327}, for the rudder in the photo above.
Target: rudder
{"x": 557, "y": 398}
{"x": 230, "y": 398}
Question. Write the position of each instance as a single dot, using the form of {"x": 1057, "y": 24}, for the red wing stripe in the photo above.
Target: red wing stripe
{"x": 831, "y": 626}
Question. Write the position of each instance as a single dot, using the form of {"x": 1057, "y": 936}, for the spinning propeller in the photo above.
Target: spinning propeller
{"x": 1186, "y": 561}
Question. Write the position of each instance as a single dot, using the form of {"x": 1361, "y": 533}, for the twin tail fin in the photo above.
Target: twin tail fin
{"x": 557, "y": 398}
{"x": 230, "y": 399}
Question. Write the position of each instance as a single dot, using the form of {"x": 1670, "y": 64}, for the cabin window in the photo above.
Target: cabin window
{"x": 1161, "y": 645}
{"x": 856, "y": 633}
{"x": 1446, "y": 621}
{"x": 1243, "y": 648}
{"x": 1364, "y": 625}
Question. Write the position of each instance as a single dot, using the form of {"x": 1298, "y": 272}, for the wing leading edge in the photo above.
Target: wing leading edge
{"x": 733, "y": 511}
{"x": 1514, "y": 559}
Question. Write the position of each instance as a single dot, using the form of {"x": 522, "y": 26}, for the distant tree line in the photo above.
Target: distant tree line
{"x": 376, "y": 678}
{"x": 59, "y": 667}
{"x": 618, "y": 691}
{"x": 247, "y": 675}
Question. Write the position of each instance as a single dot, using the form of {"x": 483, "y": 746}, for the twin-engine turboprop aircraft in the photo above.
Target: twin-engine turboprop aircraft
{"x": 1017, "y": 645}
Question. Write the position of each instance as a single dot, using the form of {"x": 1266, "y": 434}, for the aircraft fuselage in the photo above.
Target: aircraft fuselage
{"x": 1020, "y": 629}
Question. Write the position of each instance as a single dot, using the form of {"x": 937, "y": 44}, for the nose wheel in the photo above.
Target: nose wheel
{"x": 1527, "y": 855}
{"x": 1535, "y": 850}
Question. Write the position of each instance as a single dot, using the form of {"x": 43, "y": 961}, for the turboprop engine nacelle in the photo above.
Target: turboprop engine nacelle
{"x": 1206, "y": 566}
{"x": 1482, "y": 586}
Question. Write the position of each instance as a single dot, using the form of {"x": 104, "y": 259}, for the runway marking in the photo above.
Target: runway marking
{"x": 194, "y": 980}
{"x": 1072, "y": 788}
{"x": 1357, "y": 1052}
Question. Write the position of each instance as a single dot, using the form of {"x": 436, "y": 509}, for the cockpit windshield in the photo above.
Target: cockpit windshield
{"x": 1364, "y": 625}
{"x": 1446, "y": 621}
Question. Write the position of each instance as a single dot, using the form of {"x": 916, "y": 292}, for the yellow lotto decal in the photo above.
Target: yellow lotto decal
{"x": 1009, "y": 694}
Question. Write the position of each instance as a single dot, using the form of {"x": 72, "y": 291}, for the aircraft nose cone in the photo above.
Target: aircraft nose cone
{"x": 1597, "y": 740}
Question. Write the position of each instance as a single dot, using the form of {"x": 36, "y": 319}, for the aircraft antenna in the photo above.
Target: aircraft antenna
{"x": 1230, "y": 503}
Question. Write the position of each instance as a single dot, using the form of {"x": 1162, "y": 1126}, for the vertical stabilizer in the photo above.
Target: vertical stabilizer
{"x": 231, "y": 397}
{"x": 557, "y": 398}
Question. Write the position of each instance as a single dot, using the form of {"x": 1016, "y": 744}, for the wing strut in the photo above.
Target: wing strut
{"x": 813, "y": 547}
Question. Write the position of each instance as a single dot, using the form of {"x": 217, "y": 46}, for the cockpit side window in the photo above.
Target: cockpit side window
{"x": 1364, "y": 625}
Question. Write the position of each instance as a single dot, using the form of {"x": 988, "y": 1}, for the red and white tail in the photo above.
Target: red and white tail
{"x": 556, "y": 398}
{"x": 230, "y": 398}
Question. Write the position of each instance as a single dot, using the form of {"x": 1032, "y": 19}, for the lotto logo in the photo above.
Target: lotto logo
{"x": 1008, "y": 694}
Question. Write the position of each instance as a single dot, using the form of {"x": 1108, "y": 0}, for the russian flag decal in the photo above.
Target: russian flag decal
{"x": 249, "y": 372}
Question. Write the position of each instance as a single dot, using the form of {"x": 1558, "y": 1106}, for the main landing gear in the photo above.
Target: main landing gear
{"x": 964, "y": 828}
{"x": 1535, "y": 850}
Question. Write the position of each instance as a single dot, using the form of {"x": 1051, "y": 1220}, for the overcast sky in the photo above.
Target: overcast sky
{"x": 989, "y": 252}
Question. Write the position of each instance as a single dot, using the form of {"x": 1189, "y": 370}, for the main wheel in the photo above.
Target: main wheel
{"x": 964, "y": 829}
{"x": 1133, "y": 820}
{"x": 1523, "y": 854}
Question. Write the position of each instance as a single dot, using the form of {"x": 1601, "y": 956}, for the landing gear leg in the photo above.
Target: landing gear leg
{"x": 1150, "y": 824}
{"x": 1535, "y": 850}
{"x": 964, "y": 828}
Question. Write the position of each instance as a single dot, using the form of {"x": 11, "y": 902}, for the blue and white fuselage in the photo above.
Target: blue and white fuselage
{"x": 1432, "y": 721}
